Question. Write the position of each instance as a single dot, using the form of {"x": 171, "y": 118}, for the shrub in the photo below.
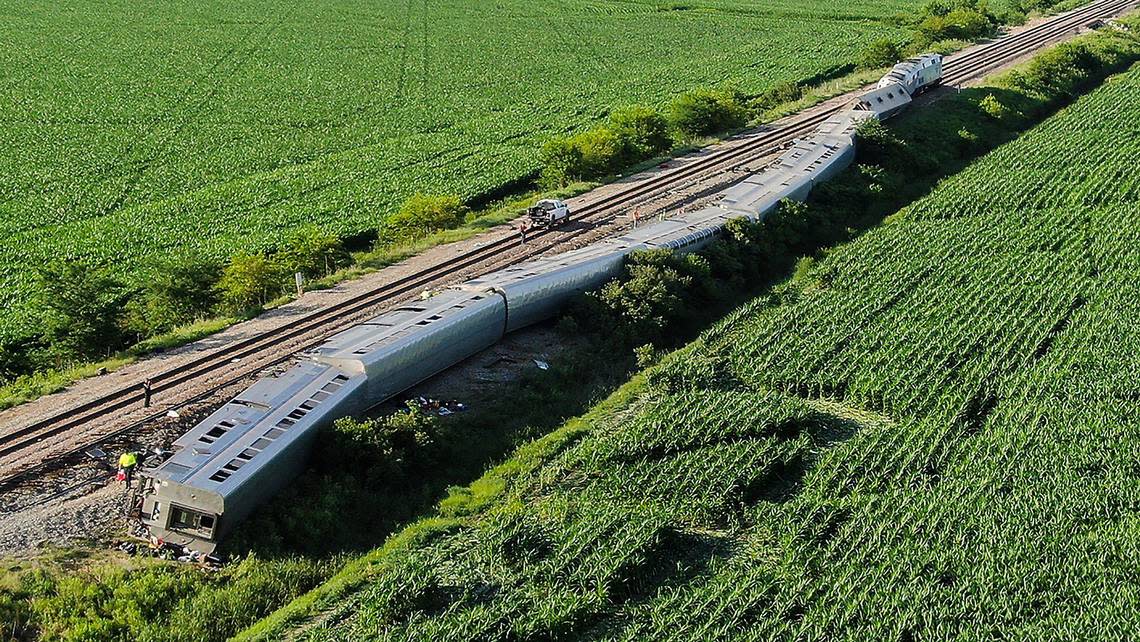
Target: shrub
{"x": 248, "y": 282}
{"x": 312, "y": 252}
{"x": 659, "y": 291}
{"x": 702, "y": 112}
{"x": 561, "y": 162}
{"x": 379, "y": 447}
{"x": 602, "y": 151}
{"x": 1059, "y": 72}
{"x": 778, "y": 94}
{"x": 176, "y": 292}
{"x": 993, "y": 107}
{"x": 643, "y": 132}
{"x": 82, "y": 308}
{"x": 955, "y": 20}
{"x": 422, "y": 215}
{"x": 630, "y": 135}
{"x": 883, "y": 52}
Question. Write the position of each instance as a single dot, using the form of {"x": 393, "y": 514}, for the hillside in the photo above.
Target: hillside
{"x": 211, "y": 128}
{"x": 932, "y": 436}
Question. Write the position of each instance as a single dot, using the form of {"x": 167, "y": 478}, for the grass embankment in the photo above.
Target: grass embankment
{"x": 406, "y": 468}
{"x": 691, "y": 470}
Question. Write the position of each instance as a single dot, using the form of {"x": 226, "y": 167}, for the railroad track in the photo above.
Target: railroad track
{"x": 202, "y": 375}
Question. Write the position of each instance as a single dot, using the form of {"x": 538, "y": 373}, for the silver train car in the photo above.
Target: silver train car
{"x": 246, "y": 451}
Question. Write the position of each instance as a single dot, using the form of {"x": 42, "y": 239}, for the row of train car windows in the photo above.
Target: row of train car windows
{"x": 235, "y": 464}
{"x": 215, "y": 433}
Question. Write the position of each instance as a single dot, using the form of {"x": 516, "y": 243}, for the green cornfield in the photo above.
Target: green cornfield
{"x": 937, "y": 439}
{"x": 211, "y": 127}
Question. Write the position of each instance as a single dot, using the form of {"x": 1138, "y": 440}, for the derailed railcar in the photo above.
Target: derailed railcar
{"x": 537, "y": 290}
{"x": 792, "y": 177}
{"x": 405, "y": 345}
{"x": 243, "y": 453}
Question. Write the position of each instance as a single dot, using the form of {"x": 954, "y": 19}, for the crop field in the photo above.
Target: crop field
{"x": 935, "y": 439}
{"x": 215, "y": 127}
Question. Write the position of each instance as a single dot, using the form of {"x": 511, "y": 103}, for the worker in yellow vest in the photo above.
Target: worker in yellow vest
{"x": 127, "y": 463}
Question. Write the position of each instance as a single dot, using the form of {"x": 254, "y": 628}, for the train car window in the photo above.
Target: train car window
{"x": 186, "y": 519}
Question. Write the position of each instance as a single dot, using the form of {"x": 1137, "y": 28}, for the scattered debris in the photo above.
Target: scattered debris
{"x": 142, "y": 543}
{"x": 438, "y": 407}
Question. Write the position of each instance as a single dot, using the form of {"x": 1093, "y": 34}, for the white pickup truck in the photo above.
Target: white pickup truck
{"x": 549, "y": 211}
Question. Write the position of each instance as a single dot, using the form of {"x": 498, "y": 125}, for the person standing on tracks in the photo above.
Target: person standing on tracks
{"x": 127, "y": 462}
{"x": 522, "y": 232}
{"x": 636, "y": 216}
{"x": 146, "y": 393}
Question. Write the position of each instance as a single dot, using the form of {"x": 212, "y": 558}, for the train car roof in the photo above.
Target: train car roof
{"x": 368, "y": 340}
{"x": 226, "y": 448}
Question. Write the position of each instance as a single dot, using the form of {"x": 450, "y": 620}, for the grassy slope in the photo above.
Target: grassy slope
{"x": 217, "y": 126}
{"x": 931, "y": 439}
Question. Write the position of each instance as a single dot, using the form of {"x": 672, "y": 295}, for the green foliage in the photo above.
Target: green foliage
{"x": 81, "y": 308}
{"x": 955, "y": 20}
{"x": 778, "y": 94}
{"x": 562, "y": 162}
{"x": 176, "y": 291}
{"x": 248, "y": 282}
{"x": 421, "y": 215}
{"x": 381, "y": 448}
{"x": 653, "y": 297}
{"x": 643, "y": 132}
{"x": 703, "y": 112}
{"x": 1061, "y": 72}
{"x": 883, "y": 52}
{"x": 630, "y": 135}
{"x": 315, "y": 252}
{"x": 249, "y": 590}
{"x": 993, "y": 107}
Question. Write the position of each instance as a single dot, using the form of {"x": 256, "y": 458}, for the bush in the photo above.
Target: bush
{"x": 659, "y": 293}
{"x": 176, "y": 292}
{"x": 379, "y": 448}
{"x": 422, "y": 215}
{"x": 643, "y": 132}
{"x": 779, "y": 94}
{"x": 702, "y": 112}
{"x": 602, "y": 152}
{"x": 561, "y": 162}
{"x": 883, "y": 52}
{"x": 248, "y": 283}
{"x": 82, "y": 309}
{"x": 312, "y": 252}
{"x": 955, "y": 20}
{"x": 1059, "y": 72}
{"x": 993, "y": 107}
{"x": 630, "y": 135}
